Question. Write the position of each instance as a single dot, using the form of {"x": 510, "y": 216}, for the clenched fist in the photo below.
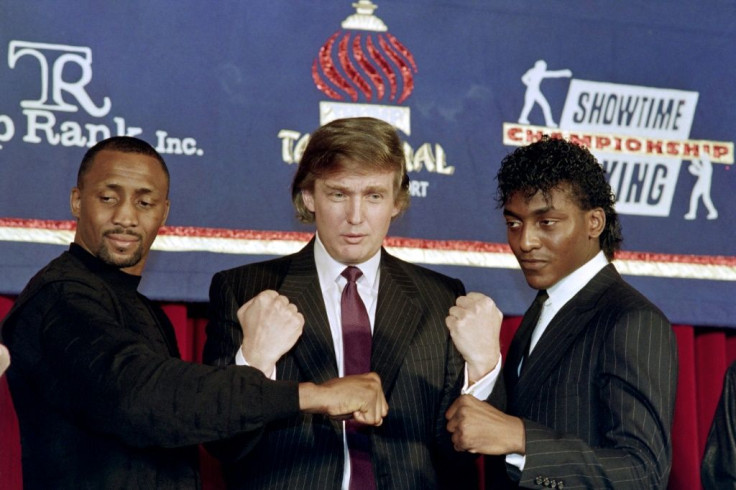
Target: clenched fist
{"x": 358, "y": 397}
{"x": 475, "y": 326}
{"x": 271, "y": 326}
{"x": 479, "y": 427}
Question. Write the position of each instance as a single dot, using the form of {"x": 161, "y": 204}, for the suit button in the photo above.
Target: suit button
{"x": 538, "y": 480}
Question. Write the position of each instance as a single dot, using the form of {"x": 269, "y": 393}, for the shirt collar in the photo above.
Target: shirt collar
{"x": 329, "y": 269}
{"x": 569, "y": 286}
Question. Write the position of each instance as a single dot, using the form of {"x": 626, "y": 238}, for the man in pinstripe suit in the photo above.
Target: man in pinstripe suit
{"x": 351, "y": 182}
{"x": 588, "y": 388}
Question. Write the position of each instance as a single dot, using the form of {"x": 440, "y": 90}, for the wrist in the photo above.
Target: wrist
{"x": 521, "y": 438}
{"x": 310, "y": 398}
{"x": 265, "y": 366}
{"x": 479, "y": 368}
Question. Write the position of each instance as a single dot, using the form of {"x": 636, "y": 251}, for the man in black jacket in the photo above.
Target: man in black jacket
{"x": 718, "y": 468}
{"x": 102, "y": 398}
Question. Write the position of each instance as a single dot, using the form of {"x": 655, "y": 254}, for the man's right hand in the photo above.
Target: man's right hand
{"x": 359, "y": 396}
{"x": 475, "y": 327}
{"x": 271, "y": 326}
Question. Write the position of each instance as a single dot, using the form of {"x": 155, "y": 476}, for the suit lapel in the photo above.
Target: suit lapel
{"x": 397, "y": 317}
{"x": 561, "y": 332}
{"x": 314, "y": 352}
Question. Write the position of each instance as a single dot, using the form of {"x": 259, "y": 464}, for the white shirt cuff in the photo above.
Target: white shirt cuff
{"x": 240, "y": 361}
{"x": 515, "y": 459}
{"x": 482, "y": 388}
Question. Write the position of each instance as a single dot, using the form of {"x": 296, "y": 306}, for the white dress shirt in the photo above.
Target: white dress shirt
{"x": 332, "y": 283}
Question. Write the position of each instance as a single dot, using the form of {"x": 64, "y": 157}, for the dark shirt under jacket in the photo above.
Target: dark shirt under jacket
{"x": 103, "y": 399}
{"x": 718, "y": 470}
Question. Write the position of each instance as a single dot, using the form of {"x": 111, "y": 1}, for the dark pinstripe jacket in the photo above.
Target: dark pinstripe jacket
{"x": 598, "y": 393}
{"x": 419, "y": 367}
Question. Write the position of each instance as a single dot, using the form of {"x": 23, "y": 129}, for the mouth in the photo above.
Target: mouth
{"x": 353, "y": 238}
{"x": 122, "y": 241}
{"x": 531, "y": 264}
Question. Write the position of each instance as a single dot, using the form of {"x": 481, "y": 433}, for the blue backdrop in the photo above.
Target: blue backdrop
{"x": 229, "y": 92}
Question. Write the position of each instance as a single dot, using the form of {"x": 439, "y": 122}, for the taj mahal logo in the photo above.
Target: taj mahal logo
{"x": 364, "y": 70}
{"x": 374, "y": 66}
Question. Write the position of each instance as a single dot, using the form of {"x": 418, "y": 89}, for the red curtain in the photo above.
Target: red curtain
{"x": 705, "y": 353}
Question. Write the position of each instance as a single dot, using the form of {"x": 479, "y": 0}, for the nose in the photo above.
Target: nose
{"x": 528, "y": 239}
{"x": 125, "y": 214}
{"x": 355, "y": 211}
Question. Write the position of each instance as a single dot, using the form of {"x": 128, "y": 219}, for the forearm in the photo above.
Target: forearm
{"x": 567, "y": 458}
{"x": 116, "y": 382}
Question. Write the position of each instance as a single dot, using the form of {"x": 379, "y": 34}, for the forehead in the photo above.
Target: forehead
{"x": 124, "y": 169}
{"x": 357, "y": 179}
{"x": 557, "y": 198}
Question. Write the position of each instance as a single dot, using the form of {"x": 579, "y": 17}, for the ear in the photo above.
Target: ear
{"x": 396, "y": 210}
{"x": 75, "y": 202}
{"x": 308, "y": 198}
{"x": 166, "y": 213}
{"x": 596, "y": 222}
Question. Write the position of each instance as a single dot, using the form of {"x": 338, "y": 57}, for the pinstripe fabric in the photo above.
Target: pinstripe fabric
{"x": 412, "y": 352}
{"x": 597, "y": 395}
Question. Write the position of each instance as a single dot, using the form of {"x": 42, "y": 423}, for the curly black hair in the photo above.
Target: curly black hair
{"x": 551, "y": 162}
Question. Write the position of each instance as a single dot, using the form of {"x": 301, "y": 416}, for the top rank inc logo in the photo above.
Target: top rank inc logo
{"x": 64, "y": 72}
{"x": 364, "y": 70}
{"x": 641, "y": 136}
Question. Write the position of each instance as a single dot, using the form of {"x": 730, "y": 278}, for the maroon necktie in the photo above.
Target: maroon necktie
{"x": 356, "y": 342}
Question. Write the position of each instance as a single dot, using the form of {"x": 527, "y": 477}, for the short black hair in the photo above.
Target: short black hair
{"x": 124, "y": 144}
{"x": 551, "y": 163}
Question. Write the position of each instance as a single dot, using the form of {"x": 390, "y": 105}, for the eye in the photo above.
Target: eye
{"x": 375, "y": 197}
{"x": 512, "y": 224}
{"x": 107, "y": 199}
{"x": 547, "y": 222}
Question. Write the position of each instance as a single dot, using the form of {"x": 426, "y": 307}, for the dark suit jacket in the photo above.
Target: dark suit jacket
{"x": 718, "y": 469}
{"x": 597, "y": 394}
{"x": 413, "y": 354}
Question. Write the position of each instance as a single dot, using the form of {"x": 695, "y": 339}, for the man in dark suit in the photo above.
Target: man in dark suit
{"x": 588, "y": 389}
{"x": 718, "y": 468}
{"x": 102, "y": 398}
{"x": 351, "y": 182}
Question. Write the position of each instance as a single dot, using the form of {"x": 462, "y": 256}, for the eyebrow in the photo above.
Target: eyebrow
{"x": 139, "y": 191}
{"x": 536, "y": 212}
{"x": 347, "y": 190}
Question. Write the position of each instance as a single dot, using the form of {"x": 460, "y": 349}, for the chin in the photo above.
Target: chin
{"x": 537, "y": 282}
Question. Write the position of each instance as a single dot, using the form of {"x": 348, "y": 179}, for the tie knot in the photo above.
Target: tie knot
{"x": 541, "y": 297}
{"x": 352, "y": 273}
